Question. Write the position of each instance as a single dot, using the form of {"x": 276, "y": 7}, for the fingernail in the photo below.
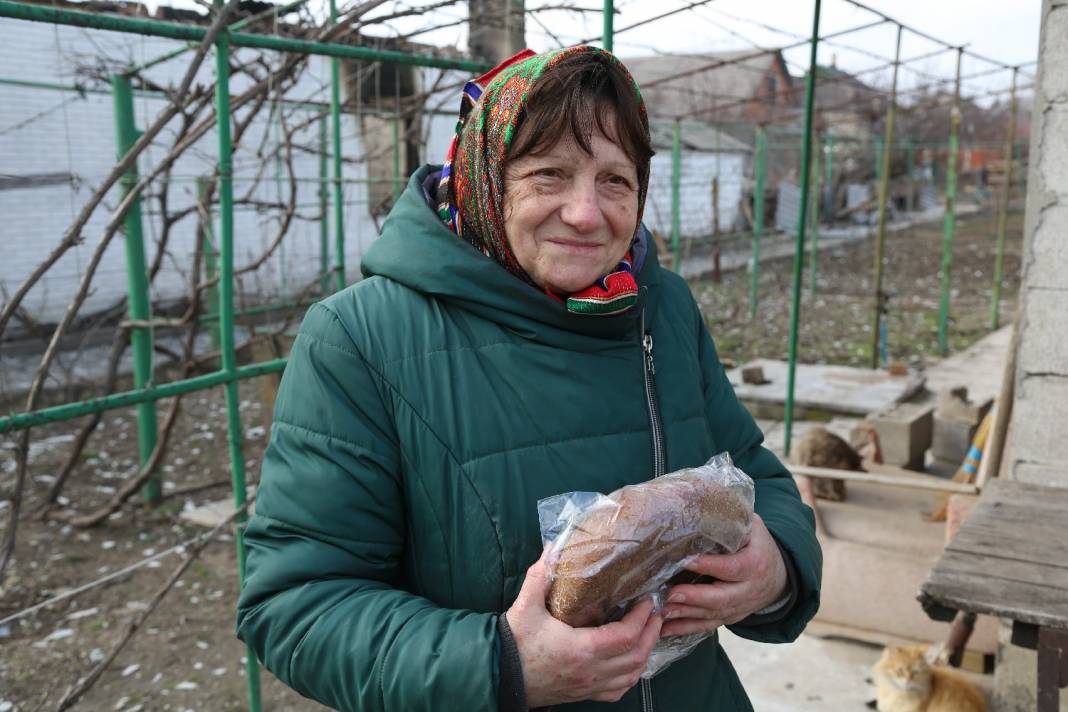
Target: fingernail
{"x": 676, "y": 598}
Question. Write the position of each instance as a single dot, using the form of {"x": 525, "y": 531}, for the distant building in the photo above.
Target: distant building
{"x": 708, "y": 157}
{"x": 744, "y": 86}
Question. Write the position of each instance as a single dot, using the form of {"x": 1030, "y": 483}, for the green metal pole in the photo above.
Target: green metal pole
{"x": 758, "y": 216}
{"x": 335, "y": 129}
{"x": 235, "y": 433}
{"x": 397, "y": 185}
{"x": 279, "y": 193}
{"x": 234, "y": 27}
{"x": 950, "y": 215}
{"x": 676, "y": 169}
{"x": 813, "y": 253}
{"x": 608, "y": 32}
{"x": 1003, "y": 214}
{"x": 799, "y": 248}
{"x": 211, "y": 261}
{"x": 193, "y": 33}
{"x": 140, "y": 308}
{"x": 324, "y": 206}
{"x": 127, "y": 399}
{"x": 884, "y": 197}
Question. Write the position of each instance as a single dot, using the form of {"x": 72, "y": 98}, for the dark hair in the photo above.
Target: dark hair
{"x": 574, "y": 97}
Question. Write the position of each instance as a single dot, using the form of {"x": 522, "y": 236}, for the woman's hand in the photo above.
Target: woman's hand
{"x": 564, "y": 664}
{"x": 747, "y": 581}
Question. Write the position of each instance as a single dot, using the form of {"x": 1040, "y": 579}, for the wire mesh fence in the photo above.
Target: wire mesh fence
{"x": 180, "y": 192}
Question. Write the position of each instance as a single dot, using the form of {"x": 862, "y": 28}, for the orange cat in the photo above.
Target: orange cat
{"x": 909, "y": 681}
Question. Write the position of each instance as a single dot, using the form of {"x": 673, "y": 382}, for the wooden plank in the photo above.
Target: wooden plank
{"x": 984, "y": 567}
{"x": 972, "y": 661}
{"x": 969, "y": 590}
{"x": 1025, "y": 494}
{"x": 1010, "y": 557}
{"x": 1014, "y": 520}
{"x": 893, "y": 480}
{"x": 1035, "y": 545}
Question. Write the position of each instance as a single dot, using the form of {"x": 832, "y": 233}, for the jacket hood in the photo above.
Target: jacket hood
{"x": 418, "y": 251}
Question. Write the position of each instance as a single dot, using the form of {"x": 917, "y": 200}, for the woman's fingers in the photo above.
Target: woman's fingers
{"x": 688, "y": 626}
{"x": 536, "y": 585}
{"x": 724, "y": 567}
{"x": 709, "y": 596}
{"x": 617, "y": 687}
{"x": 613, "y": 639}
{"x": 674, "y": 612}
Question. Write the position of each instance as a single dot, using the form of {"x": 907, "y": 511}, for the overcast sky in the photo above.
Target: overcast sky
{"x": 1007, "y": 31}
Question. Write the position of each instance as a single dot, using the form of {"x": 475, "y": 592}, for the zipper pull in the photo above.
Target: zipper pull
{"x": 647, "y": 344}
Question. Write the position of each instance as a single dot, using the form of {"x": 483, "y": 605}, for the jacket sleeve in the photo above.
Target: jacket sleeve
{"x": 323, "y": 605}
{"x": 790, "y": 521}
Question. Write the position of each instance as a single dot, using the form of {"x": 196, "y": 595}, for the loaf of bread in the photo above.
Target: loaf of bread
{"x": 633, "y": 544}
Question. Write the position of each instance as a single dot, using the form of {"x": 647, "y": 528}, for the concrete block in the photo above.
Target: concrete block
{"x": 1016, "y": 675}
{"x": 1043, "y": 346}
{"x": 1044, "y": 249}
{"x": 905, "y": 432}
{"x": 754, "y": 375}
{"x": 954, "y": 403}
{"x": 1038, "y": 414}
{"x": 952, "y": 438}
{"x": 942, "y": 468}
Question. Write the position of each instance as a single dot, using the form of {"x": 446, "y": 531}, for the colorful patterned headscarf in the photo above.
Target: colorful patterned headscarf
{"x": 471, "y": 189}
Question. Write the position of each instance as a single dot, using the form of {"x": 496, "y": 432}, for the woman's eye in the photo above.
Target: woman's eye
{"x": 547, "y": 173}
{"x": 618, "y": 180}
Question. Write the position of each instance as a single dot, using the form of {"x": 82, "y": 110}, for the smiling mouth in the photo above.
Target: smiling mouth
{"x": 576, "y": 246}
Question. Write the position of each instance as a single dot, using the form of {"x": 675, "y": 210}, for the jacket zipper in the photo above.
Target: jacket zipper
{"x": 651, "y": 400}
{"x": 649, "y": 368}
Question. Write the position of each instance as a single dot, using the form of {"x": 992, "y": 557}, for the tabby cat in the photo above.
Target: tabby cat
{"x": 908, "y": 680}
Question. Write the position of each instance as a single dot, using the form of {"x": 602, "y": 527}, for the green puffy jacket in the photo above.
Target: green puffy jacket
{"x": 423, "y": 413}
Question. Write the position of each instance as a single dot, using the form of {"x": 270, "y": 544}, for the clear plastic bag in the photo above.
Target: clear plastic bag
{"x": 608, "y": 551}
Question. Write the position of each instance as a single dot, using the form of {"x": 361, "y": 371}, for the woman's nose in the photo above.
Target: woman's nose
{"x": 582, "y": 209}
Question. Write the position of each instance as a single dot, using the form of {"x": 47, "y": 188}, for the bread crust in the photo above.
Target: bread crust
{"x": 617, "y": 553}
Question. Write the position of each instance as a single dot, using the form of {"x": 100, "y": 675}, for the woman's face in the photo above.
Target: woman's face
{"x": 570, "y": 216}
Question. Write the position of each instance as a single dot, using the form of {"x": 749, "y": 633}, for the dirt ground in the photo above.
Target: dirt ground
{"x": 186, "y": 656}
{"x": 835, "y": 326}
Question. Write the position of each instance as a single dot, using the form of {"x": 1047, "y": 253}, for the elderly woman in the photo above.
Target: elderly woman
{"x": 515, "y": 337}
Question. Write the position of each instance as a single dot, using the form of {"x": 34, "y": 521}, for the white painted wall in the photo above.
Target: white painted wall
{"x": 46, "y": 131}
{"x": 695, "y": 191}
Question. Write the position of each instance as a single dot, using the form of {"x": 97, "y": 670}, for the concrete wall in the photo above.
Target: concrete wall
{"x": 1038, "y": 446}
{"x": 1039, "y": 449}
